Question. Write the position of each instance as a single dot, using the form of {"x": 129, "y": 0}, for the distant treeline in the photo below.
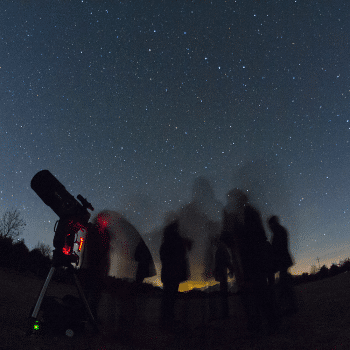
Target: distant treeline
{"x": 323, "y": 272}
{"x": 15, "y": 254}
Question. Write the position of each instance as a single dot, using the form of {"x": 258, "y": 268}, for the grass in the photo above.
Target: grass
{"x": 323, "y": 322}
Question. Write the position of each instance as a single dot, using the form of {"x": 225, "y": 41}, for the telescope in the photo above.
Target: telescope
{"x": 74, "y": 215}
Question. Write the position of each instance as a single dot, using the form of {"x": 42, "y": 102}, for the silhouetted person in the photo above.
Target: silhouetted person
{"x": 222, "y": 264}
{"x": 249, "y": 246}
{"x": 144, "y": 260}
{"x": 282, "y": 261}
{"x": 110, "y": 249}
{"x": 173, "y": 256}
{"x": 96, "y": 263}
{"x": 199, "y": 221}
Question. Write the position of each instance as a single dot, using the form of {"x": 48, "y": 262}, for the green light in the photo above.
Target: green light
{"x": 36, "y": 325}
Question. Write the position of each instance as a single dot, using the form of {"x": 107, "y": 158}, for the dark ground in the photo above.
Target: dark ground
{"x": 323, "y": 322}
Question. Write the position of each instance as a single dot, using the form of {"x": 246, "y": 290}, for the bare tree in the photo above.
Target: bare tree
{"x": 11, "y": 224}
{"x": 44, "y": 249}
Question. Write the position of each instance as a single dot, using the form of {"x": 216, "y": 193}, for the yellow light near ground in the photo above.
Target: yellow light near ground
{"x": 185, "y": 286}
{"x": 189, "y": 285}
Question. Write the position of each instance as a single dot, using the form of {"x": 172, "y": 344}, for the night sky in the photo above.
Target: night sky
{"x": 127, "y": 103}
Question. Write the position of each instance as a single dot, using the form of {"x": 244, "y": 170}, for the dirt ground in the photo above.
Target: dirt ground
{"x": 322, "y": 323}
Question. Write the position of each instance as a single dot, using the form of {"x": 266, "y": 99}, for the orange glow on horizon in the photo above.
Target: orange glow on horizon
{"x": 189, "y": 285}
{"x": 184, "y": 286}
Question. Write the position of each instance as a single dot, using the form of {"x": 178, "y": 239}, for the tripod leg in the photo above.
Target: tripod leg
{"x": 33, "y": 322}
{"x": 86, "y": 304}
{"x": 42, "y": 293}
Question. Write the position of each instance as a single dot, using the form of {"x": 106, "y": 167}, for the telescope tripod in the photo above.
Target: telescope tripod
{"x": 34, "y": 315}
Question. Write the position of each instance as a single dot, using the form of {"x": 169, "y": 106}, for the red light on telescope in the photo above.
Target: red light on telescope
{"x": 66, "y": 249}
{"x": 76, "y": 226}
{"x": 81, "y": 243}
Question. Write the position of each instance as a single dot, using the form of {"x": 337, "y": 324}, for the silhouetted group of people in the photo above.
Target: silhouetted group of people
{"x": 243, "y": 250}
{"x": 240, "y": 249}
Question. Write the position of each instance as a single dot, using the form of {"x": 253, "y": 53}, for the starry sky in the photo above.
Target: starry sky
{"x": 127, "y": 104}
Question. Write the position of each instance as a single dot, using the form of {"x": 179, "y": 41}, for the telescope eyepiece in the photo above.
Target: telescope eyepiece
{"x": 85, "y": 203}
